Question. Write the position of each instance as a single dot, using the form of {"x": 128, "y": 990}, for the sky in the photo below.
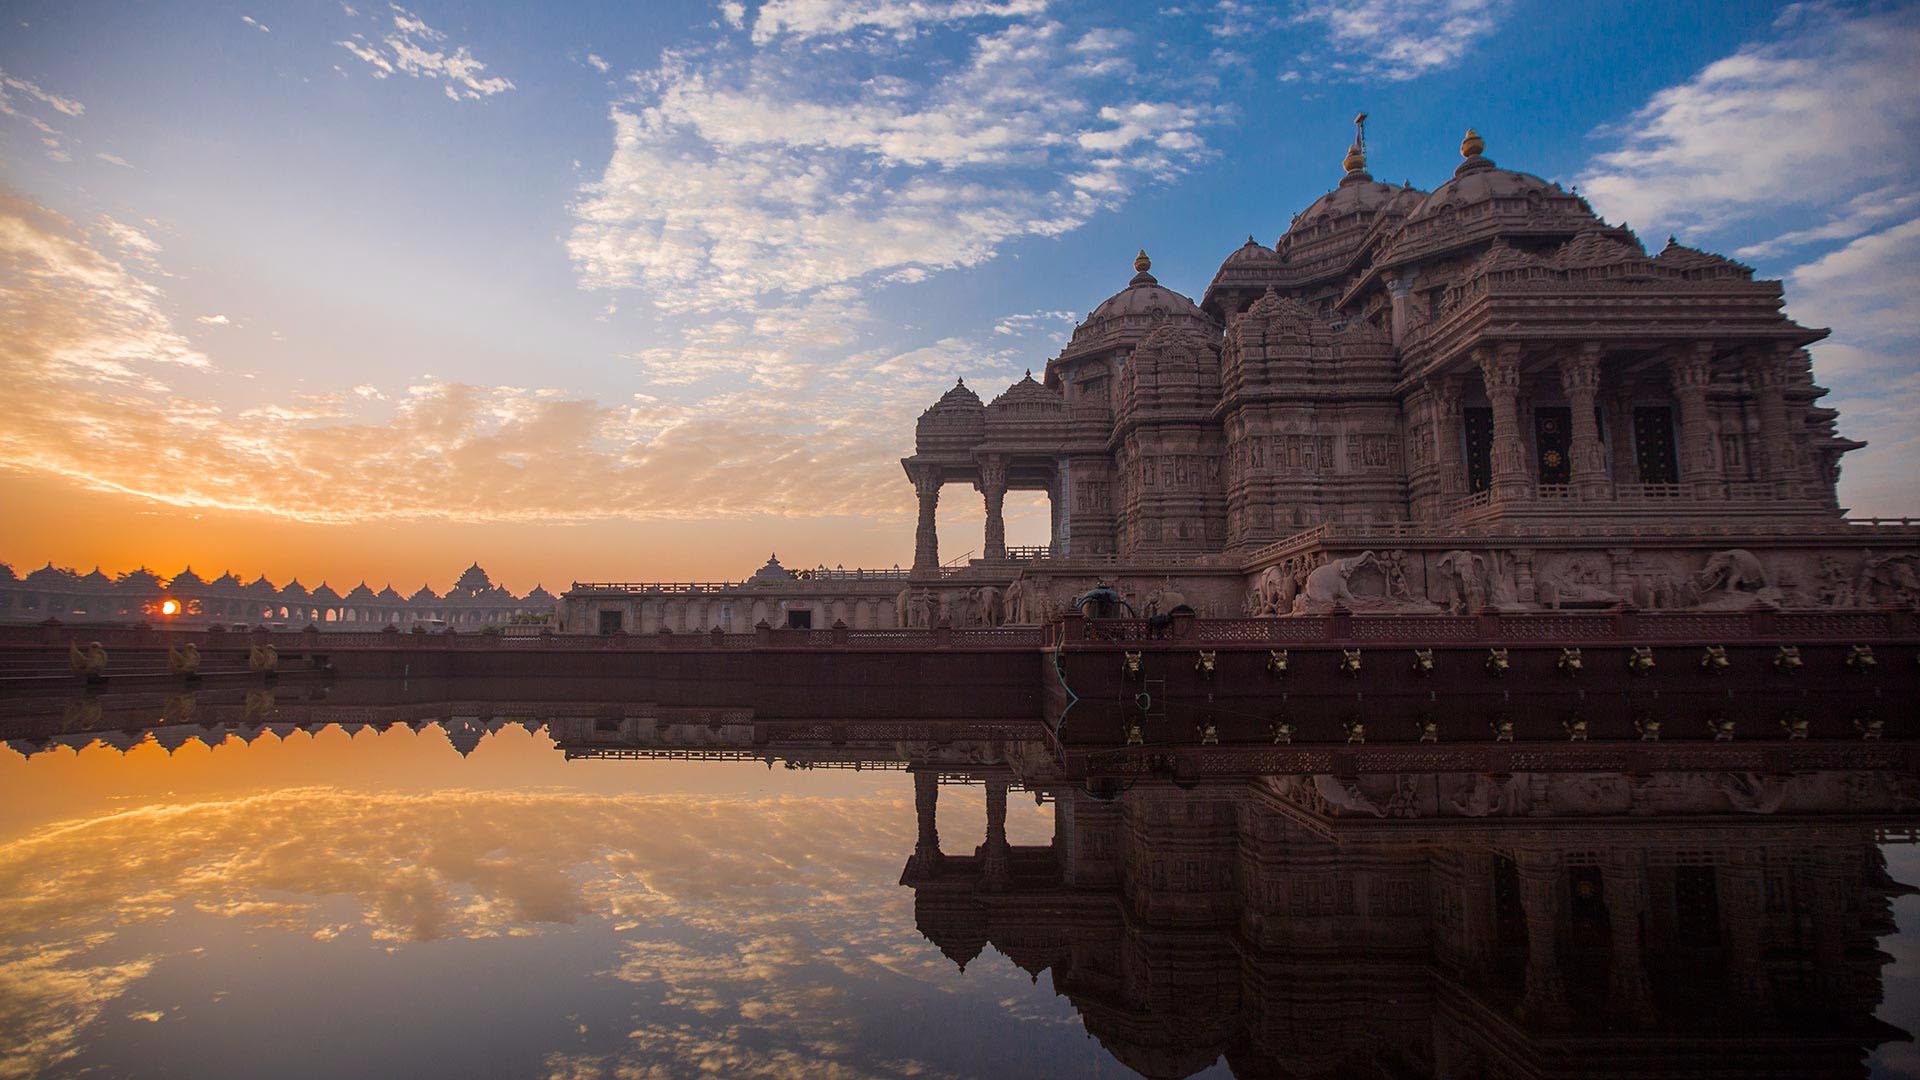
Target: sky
{"x": 646, "y": 291}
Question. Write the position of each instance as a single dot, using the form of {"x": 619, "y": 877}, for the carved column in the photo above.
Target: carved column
{"x": 1400, "y": 288}
{"x": 997, "y": 857}
{"x": 993, "y": 485}
{"x": 1500, "y": 368}
{"x": 1772, "y": 449}
{"x": 1544, "y": 1002}
{"x": 926, "y": 536}
{"x": 926, "y": 793}
{"x": 1742, "y": 887}
{"x": 1580, "y": 380}
{"x": 1624, "y": 877}
{"x": 1691, "y": 370}
{"x": 1444, "y": 391}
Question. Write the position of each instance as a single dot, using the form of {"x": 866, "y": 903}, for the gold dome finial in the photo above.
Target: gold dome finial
{"x": 1141, "y": 263}
{"x": 1356, "y": 159}
{"x": 1473, "y": 145}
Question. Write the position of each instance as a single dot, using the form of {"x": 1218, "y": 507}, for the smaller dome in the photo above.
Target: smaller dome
{"x": 390, "y": 595}
{"x": 1251, "y": 254}
{"x": 1027, "y": 395}
{"x": 424, "y": 594}
{"x": 957, "y": 400}
{"x": 361, "y": 592}
{"x": 1478, "y": 179}
{"x": 775, "y": 574}
{"x": 295, "y": 591}
{"x": 1144, "y": 295}
{"x": 325, "y": 594}
{"x": 49, "y": 576}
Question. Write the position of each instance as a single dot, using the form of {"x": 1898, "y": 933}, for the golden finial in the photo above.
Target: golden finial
{"x": 1141, "y": 262}
{"x": 1356, "y": 159}
{"x": 1473, "y": 145}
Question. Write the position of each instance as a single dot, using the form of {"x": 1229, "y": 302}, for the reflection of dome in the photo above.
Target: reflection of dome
{"x": 952, "y": 921}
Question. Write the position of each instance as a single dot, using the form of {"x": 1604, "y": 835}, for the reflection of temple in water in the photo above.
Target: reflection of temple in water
{"x": 1399, "y": 916}
{"x": 1714, "y": 925}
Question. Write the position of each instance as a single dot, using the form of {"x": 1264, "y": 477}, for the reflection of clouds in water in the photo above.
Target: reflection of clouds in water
{"x": 772, "y": 902}
{"x": 48, "y": 994}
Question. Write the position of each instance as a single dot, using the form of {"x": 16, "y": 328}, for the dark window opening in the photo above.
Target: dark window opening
{"x": 1479, "y": 423}
{"x": 800, "y": 620}
{"x": 610, "y": 622}
{"x": 1696, "y": 905}
{"x": 1653, "y": 445}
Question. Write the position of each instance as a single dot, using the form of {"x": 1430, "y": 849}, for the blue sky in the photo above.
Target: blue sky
{"x": 636, "y": 289}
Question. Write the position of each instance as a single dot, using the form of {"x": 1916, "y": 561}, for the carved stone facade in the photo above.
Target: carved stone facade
{"x": 1443, "y": 393}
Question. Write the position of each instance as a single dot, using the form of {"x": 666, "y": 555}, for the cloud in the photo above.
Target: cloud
{"x": 803, "y": 20}
{"x": 24, "y": 101}
{"x": 791, "y": 412}
{"x": 114, "y": 159}
{"x": 1822, "y": 113}
{"x": 693, "y": 895}
{"x": 412, "y": 48}
{"x": 1865, "y": 291}
{"x": 1391, "y": 40}
{"x": 256, "y": 24}
{"x": 65, "y": 106}
{"x": 212, "y": 320}
{"x": 796, "y": 168}
{"x": 597, "y": 64}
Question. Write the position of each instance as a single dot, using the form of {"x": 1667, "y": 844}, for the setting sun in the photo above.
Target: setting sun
{"x": 169, "y": 607}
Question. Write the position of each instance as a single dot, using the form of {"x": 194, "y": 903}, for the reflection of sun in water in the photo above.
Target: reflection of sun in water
{"x": 169, "y": 607}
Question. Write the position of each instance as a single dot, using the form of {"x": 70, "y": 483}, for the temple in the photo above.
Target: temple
{"x": 1482, "y": 395}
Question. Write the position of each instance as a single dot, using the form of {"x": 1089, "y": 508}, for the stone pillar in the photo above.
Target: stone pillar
{"x": 1624, "y": 878}
{"x": 926, "y": 536}
{"x": 926, "y": 793}
{"x": 1692, "y": 371}
{"x": 1400, "y": 287}
{"x": 1500, "y": 368}
{"x": 1772, "y": 450}
{"x": 1626, "y": 468}
{"x": 1544, "y": 1002}
{"x": 1742, "y": 887}
{"x": 1444, "y": 392}
{"x": 1580, "y": 380}
{"x": 996, "y": 855}
{"x": 993, "y": 485}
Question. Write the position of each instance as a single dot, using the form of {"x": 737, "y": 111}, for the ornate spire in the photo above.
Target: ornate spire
{"x": 1356, "y": 160}
{"x": 1473, "y": 145}
{"x": 1141, "y": 263}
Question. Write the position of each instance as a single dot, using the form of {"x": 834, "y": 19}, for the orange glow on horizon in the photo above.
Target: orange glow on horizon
{"x": 169, "y": 606}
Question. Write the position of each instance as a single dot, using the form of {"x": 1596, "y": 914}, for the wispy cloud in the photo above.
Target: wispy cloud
{"x": 1823, "y": 111}
{"x": 797, "y": 417}
{"x": 415, "y": 49}
{"x": 23, "y": 100}
{"x": 598, "y": 64}
{"x": 802, "y": 165}
{"x": 256, "y": 24}
{"x": 1390, "y": 40}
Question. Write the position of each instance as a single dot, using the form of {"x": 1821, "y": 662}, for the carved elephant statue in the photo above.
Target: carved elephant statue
{"x": 1274, "y": 590}
{"x": 1735, "y": 570}
{"x": 1328, "y": 584}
